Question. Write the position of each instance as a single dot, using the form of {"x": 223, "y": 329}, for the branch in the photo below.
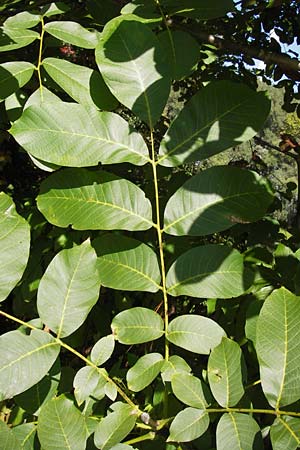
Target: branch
{"x": 266, "y": 144}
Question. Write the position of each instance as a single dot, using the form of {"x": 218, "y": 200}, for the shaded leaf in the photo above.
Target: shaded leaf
{"x": 211, "y": 270}
{"x": 132, "y": 64}
{"x": 277, "y": 346}
{"x": 14, "y": 245}
{"x": 195, "y": 333}
{"x": 12, "y": 39}
{"x": 285, "y": 433}
{"x": 189, "y": 390}
{"x": 70, "y": 134}
{"x": 238, "y": 431}
{"x": 224, "y": 371}
{"x": 145, "y": 370}
{"x": 61, "y": 426}
{"x": 200, "y": 10}
{"x": 216, "y": 199}
{"x": 188, "y": 425}
{"x": 25, "y": 360}
{"x": 84, "y": 85}
{"x": 73, "y": 33}
{"x": 221, "y": 115}
{"x": 14, "y": 75}
{"x": 93, "y": 200}
{"x": 146, "y": 13}
{"x": 103, "y": 350}
{"x": 69, "y": 289}
{"x": 26, "y": 435}
{"x": 127, "y": 264}
{"x": 8, "y": 440}
{"x": 137, "y": 325}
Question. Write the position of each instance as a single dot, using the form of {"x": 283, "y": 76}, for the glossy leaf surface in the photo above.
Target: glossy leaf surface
{"x": 217, "y": 199}
{"x": 189, "y": 424}
{"x": 14, "y": 245}
{"x": 93, "y": 201}
{"x": 127, "y": 264}
{"x": 22, "y": 355}
{"x": 238, "y": 431}
{"x": 14, "y": 75}
{"x": 132, "y": 64}
{"x": 69, "y": 134}
{"x": 211, "y": 270}
{"x": 144, "y": 371}
{"x": 277, "y": 346}
{"x": 195, "y": 333}
{"x": 137, "y": 325}
{"x": 219, "y": 116}
{"x": 73, "y": 33}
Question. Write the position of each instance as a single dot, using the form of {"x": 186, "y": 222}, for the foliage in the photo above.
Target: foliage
{"x": 156, "y": 307}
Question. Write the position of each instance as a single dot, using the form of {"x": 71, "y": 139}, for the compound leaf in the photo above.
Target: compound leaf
{"x": 144, "y": 371}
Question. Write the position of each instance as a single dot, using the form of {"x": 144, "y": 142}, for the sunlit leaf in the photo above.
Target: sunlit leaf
{"x": 13, "y": 38}
{"x": 25, "y": 360}
{"x": 24, "y": 19}
{"x": 189, "y": 390}
{"x": 8, "y": 440}
{"x": 61, "y": 425}
{"x": 144, "y": 12}
{"x": 285, "y": 433}
{"x": 216, "y": 199}
{"x": 195, "y": 333}
{"x": 73, "y": 33}
{"x": 137, "y": 325}
{"x": 14, "y": 75}
{"x": 89, "y": 381}
{"x": 224, "y": 371}
{"x": 238, "y": 431}
{"x": 188, "y": 425}
{"x": 144, "y": 371}
{"x": 132, "y": 64}
{"x": 174, "y": 365}
{"x": 127, "y": 264}
{"x": 26, "y": 435}
{"x": 213, "y": 271}
{"x": 14, "y": 245}
{"x": 103, "y": 350}
{"x": 84, "y": 85}
{"x": 72, "y": 280}
{"x": 277, "y": 346}
{"x": 221, "y": 115}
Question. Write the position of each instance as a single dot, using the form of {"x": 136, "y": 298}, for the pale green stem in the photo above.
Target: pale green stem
{"x": 39, "y": 63}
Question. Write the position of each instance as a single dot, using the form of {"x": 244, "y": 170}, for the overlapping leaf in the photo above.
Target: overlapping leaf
{"x": 209, "y": 271}
{"x": 144, "y": 371}
{"x": 285, "y": 433}
{"x": 84, "y": 85}
{"x": 189, "y": 424}
{"x": 89, "y": 381}
{"x": 137, "y": 325}
{"x": 199, "y": 9}
{"x": 238, "y": 431}
{"x": 8, "y": 440}
{"x": 61, "y": 425}
{"x": 14, "y": 245}
{"x": 25, "y": 360}
{"x": 225, "y": 373}
{"x": 127, "y": 264}
{"x": 220, "y": 116}
{"x": 93, "y": 201}
{"x": 69, "y": 289}
{"x": 26, "y": 435}
{"x": 73, "y": 33}
{"x": 12, "y": 38}
{"x": 195, "y": 333}
{"x": 174, "y": 365}
{"x": 14, "y": 75}
{"x": 132, "y": 64}
{"x": 73, "y": 135}
{"x": 277, "y": 346}
{"x": 217, "y": 199}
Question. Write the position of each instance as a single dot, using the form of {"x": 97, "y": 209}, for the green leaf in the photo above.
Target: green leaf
{"x": 94, "y": 200}
{"x": 221, "y": 115}
{"x": 14, "y": 75}
{"x": 40, "y": 96}
{"x": 89, "y": 381}
{"x": 54, "y": 8}
{"x": 14, "y": 245}
{"x": 35, "y": 397}
{"x": 25, "y": 360}
{"x": 174, "y": 365}
{"x": 132, "y": 64}
{"x": 202, "y": 10}
{"x": 22, "y": 20}
{"x": 103, "y": 350}
{"x": 238, "y": 431}
{"x": 122, "y": 447}
{"x": 8, "y": 440}
{"x": 146, "y": 13}
{"x": 14, "y": 105}
{"x": 175, "y": 45}
{"x": 127, "y": 264}
{"x": 72, "y": 280}
{"x": 277, "y": 347}
{"x": 26, "y": 435}
{"x": 137, "y": 325}
{"x": 212, "y": 271}
{"x": 73, "y": 33}
{"x": 84, "y": 85}
{"x": 12, "y": 39}
{"x": 110, "y": 391}
{"x": 285, "y": 433}
{"x": 224, "y": 371}
{"x": 115, "y": 427}
{"x": 195, "y": 333}
{"x": 189, "y": 390}
{"x": 215, "y": 200}
{"x": 145, "y": 370}
{"x": 61, "y": 426}
{"x": 69, "y": 134}
{"x": 188, "y": 425}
